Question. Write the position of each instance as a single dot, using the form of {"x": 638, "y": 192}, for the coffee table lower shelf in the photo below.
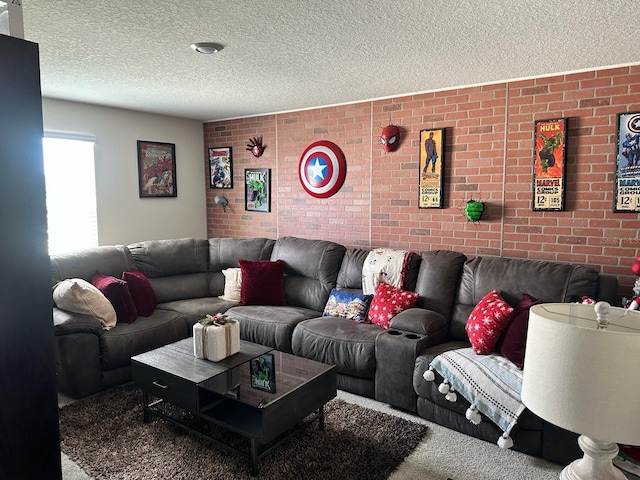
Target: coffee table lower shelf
{"x": 232, "y": 410}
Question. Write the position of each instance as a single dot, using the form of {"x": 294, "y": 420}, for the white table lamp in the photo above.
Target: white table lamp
{"x": 582, "y": 373}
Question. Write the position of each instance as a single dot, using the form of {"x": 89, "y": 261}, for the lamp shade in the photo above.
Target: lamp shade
{"x": 581, "y": 377}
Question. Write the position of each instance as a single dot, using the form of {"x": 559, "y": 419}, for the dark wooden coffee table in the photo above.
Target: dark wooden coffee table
{"x": 221, "y": 392}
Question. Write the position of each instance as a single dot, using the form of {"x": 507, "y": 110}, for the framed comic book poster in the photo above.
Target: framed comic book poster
{"x": 257, "y": 189}
{"x": 431, "y": 163}
{"x": 263, "y": 373}
{"x": 549, "y": 164}
{"x": 156, "y": 169}
{"x": 626, "y": 196}
{"x": 220, "y": 167}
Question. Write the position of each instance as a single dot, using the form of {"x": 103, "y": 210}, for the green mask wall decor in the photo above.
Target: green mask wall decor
{"x": 473, "y": 210}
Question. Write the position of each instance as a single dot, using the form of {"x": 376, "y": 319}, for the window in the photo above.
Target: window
{"x": 70, "y": 181}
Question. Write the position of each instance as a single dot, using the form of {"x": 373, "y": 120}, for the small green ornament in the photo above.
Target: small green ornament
{"x": 473, "y": 210}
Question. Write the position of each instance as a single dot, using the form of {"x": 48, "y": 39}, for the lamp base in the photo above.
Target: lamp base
{"x": 596, "y": 464}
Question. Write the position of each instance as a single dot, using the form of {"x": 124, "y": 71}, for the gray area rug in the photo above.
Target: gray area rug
{"x": 105, "y": 435}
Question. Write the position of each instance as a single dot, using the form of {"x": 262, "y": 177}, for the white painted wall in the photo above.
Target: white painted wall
{"x": 123, "y": 217}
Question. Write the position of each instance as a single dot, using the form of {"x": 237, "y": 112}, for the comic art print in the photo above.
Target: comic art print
{"x": 549, "y": 164}
{"x": 627, "y": 176}
{"x": 257, "y": 189}
{"x": 156, "y": 169}
{"x": 220, "y": 167}
{"x": 431, "y": 163}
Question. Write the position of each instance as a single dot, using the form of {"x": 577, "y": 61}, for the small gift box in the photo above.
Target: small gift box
{"x": 216, "y": 337}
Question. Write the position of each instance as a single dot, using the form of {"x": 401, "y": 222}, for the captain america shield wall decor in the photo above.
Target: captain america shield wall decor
{"x": 322, "y": 169}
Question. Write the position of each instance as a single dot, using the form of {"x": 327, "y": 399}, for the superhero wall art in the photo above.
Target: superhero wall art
{"x": 627, "y": 184}
{"x": 549, "y": 164}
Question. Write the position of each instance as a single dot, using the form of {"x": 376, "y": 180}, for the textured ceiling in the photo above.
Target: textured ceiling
{"x": 295, "y": 54}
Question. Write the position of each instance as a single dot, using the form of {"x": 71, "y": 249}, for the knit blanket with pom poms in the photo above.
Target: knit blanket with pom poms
{"x": 490, "y": 383}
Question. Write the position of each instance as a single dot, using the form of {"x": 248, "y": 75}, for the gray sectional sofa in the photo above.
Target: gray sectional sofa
{"x": 186, "y": 276}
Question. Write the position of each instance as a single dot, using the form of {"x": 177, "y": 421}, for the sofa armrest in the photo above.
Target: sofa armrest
{"x": 65, "y": 323}
{"x": 420, "y": 321}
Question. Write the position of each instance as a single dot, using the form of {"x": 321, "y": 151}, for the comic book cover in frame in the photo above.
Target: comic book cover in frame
{"x": 431, "y": 168}
{"x": 257, "y": 189}
{"x": 156, "y": 169}
{"x": 626, "y": 196}
{"x": 549, "y": 164}
{"x": 220, "y": 167}
{"x": 263, "y": 373}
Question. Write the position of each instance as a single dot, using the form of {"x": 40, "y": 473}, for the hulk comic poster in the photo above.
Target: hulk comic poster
{"x": 549, "y": 164}
{"x": 627, "y": 183}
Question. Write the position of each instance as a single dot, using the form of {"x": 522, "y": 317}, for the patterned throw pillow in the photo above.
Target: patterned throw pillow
{"x": 487, "y": 320}
{"x": 389, "y": 301}
{"x": 353, "y": 306}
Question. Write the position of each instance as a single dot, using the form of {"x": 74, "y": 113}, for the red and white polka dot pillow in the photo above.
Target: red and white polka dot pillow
{"x": 388, "y": 301}
{"x": 487, "y": 321}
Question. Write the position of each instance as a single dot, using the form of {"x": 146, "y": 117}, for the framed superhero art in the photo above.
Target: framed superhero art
{"x": 431, "y": 158}
{"x": 220, "y": 168}
{"x": 549, "y": 165}
{"x": 257, "y": 189}
{"x": 627, "y": 176}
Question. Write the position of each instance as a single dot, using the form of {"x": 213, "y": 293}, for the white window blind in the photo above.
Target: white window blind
{"x": 70, "y": 181}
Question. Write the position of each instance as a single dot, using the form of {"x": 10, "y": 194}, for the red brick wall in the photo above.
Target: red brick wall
{"x": 488, "y": 156}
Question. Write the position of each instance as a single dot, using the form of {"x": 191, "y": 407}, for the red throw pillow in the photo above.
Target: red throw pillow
{"x": 117, "y": 292}
{"x": 513, "y": 340}
{"x": 262, "y": 282}
{"x": 142, "y": 292}
{"x": 389, "y": 301}
{"x": 487, "y": 320}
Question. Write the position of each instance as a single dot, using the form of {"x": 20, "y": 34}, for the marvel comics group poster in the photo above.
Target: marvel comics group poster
{"x": 549, "y": 164}
{"x": 431, "y": 169}
{"x": 627, "y": 182}
{"x": 257, "y": 189}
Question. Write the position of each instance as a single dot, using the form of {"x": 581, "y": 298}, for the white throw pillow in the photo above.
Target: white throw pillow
{"x": 79, "y": 296}
{"x": 232, "y": 284}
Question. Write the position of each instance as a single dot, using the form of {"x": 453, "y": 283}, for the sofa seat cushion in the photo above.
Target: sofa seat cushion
{"x": 195, "y": 309}
{"x": 348, "y": 345}
{"x": 123, "y": 341}
{"x": 429, "y": 390}
{"x": 272, "y": 326}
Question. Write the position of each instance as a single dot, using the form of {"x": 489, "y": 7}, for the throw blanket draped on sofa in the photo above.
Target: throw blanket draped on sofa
{"x": 490, "y": 383}
{"x": 385, "y": 265}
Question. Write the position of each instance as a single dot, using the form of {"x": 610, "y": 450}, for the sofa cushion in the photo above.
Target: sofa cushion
{"x": 353, "y": 306}
{"x": 232, "y": 284}
{"x": 388, "y": 301}
{"x": 79, "y": 296}
{"x": 142, "y": 292}
{"x": 117, "y": 292}
{"x": 262, "y": 282}
{"x": 548, "y": 281}
{"x": 512, "y": 342}
{"x": 176, "y": 268}
{"x": 487, "y": 321}
{"x": 119, "y": 344}
{"x": 311, "y": 268}
{"x": 348, "y": 345}
{"x": 270, "y": 325}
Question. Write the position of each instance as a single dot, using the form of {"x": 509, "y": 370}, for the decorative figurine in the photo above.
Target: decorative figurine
{"x": 255, "y": 146}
